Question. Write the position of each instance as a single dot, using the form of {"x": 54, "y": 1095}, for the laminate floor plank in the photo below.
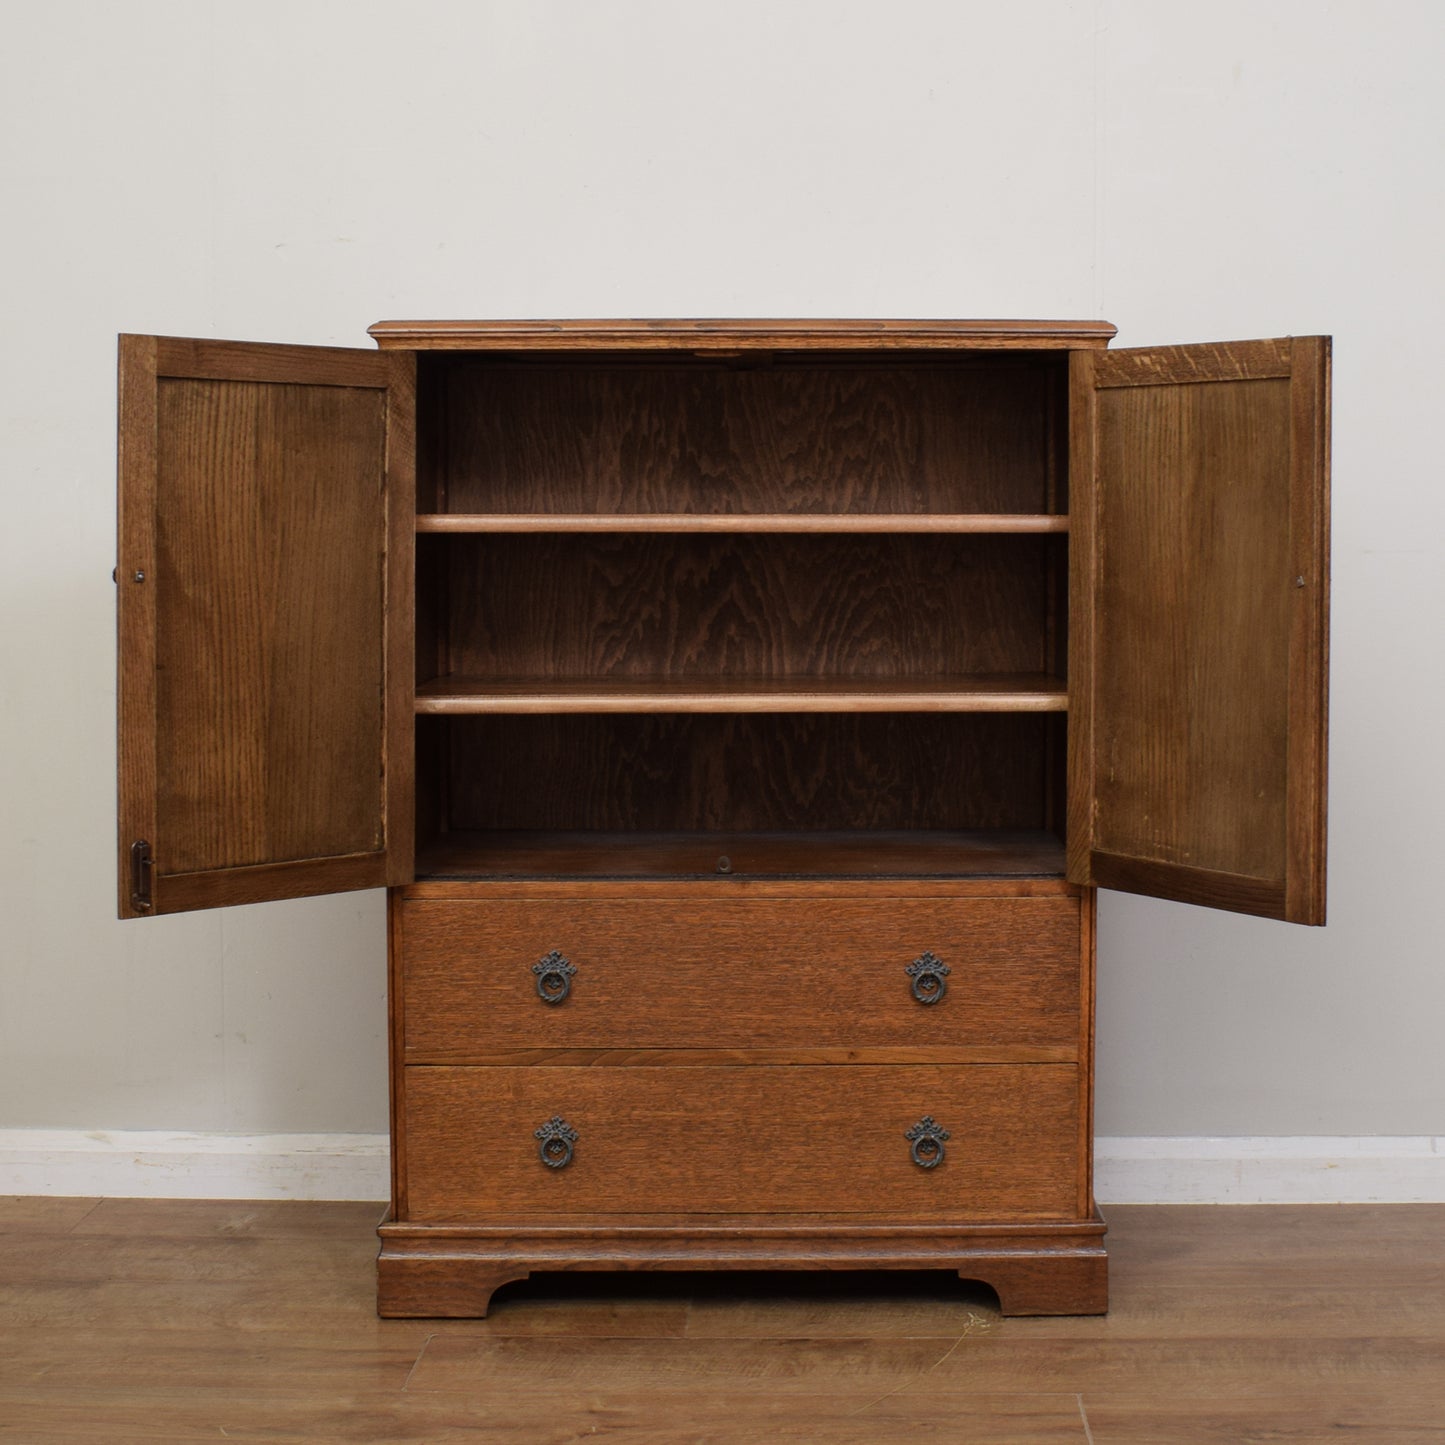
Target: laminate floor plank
{"x": 27, "y": 1214}
{"x": 327, "y": 1312}
{"x": 999, "y": 1363}
{"x": 1187, "y": 1369}
{"x": 1203, "y": 1236}
{"x": 1372, "y": 1419}
{"x": 1142, "y": 1312}
{"x": 576, "y": 1368}
{"x": 278, "y": 1264}
{"x": 213, "y": 1219}
{"x": 448, "y": 1419}
{"x": 891, "y": 1310}
{"x": 254, "y": 1361}
{"x": 1263, "y": 1308}
{"x": 634, "y": 1313}
{"x": 337, "y": 1305}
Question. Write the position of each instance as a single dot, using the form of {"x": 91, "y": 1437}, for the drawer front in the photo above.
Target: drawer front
{"x": 761, "y": 1139}
{"x": 740, "y": 973}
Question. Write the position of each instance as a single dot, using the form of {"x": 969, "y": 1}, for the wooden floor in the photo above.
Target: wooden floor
{"x": 132, "y": 1320}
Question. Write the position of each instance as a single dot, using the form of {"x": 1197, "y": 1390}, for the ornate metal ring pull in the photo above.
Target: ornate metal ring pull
{"x": 930, "y": 977}
{"x": 554, "y": 977}
{"x": 557, "y": 1137}
{"x": 925, "y": 1140}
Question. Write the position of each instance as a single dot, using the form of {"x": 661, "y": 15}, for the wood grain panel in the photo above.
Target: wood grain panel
{"x": 298, "y": 878}
{"x": 773, "y": 606}
{"x": 703, "y": 437}
{"x": 710, "y": 1058}
{"x": 1307, "y": 793}
{"x": 652, "y": 973}
{"x": 736, "y": 334}
{"x": 135, "y": 606}
{"x": 1209, "y": 361}
{"x": 756, "y": 1139}
{"x": 978, "y": 885}
{"x": 269, "y": 696}
{"x": 1199, "y": 645}
{"x": 1191, "y": 635}
{"x": 1207, "y": 887}
{"x": 743, "y": 773}
{"x": 1014, "y": 856}
{"x": 198, "y": 358}
{"x": 265, "y": 619}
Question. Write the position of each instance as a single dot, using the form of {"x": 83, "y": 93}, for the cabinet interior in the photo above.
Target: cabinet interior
{"x": 774, "y": 615}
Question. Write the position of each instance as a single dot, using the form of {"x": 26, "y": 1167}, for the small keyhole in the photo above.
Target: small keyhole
{"x": 724, "y": 864}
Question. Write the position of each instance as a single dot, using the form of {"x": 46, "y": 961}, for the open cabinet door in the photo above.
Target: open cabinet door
{"x": 265, "y": 636}
{"x": 1198, "y": 649}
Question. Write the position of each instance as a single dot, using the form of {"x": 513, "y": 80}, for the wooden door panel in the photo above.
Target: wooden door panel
{"x": 266, "y": 495}
{"x": 1198, "y": 636}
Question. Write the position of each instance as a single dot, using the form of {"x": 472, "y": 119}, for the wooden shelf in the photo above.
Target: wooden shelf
{"x": 1012, "y": 692}
{"x": 1030, "y": 523}
{"x": 975, "y": 854}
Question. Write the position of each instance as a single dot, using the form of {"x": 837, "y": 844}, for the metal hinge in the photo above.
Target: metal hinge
{"x": 142, "y": 868}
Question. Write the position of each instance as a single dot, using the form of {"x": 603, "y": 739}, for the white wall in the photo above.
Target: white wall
{"x": 295, "y": 169}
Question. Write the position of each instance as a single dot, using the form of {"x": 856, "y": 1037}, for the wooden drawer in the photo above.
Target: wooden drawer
{"x": 744, "y": 1140}
{"x": 734, "y": 973}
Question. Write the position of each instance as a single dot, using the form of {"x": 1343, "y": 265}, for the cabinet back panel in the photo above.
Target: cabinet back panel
{"x": 269, "y": 611}
{"x": 743, "y": 772}
{"x": 747, "y": 605}
{"x": 760, "y": 435}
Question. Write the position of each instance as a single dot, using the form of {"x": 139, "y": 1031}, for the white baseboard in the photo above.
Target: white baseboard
{"x": 155, "y": 1164}
{"x": 152, "y": 1164}
{"x": 1323, "y": 1169}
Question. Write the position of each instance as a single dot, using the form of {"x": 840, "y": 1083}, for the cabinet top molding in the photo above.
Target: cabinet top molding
{"x": 737, "y": 335}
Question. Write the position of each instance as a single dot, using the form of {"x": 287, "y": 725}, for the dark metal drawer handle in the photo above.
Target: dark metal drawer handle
{"x": 554, "y": 977}
{"x": 930, "y": 977}
{"x": 557, "y": 1137}
{"x": 925, "y": 1140}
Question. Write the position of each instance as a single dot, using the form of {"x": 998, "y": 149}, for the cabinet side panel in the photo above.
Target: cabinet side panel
{"x": 1088, "y": 904}
{"x": 269, "y": 679}
{"x": 396, "y": 1047}
{"x": 399, "y": 635}
{"x": 1082, "y": 555}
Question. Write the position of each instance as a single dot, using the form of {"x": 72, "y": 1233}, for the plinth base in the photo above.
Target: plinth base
{"x": 452, "y": 1270}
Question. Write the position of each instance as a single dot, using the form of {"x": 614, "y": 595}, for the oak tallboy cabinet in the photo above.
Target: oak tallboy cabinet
{"x": 741, "y": 716}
